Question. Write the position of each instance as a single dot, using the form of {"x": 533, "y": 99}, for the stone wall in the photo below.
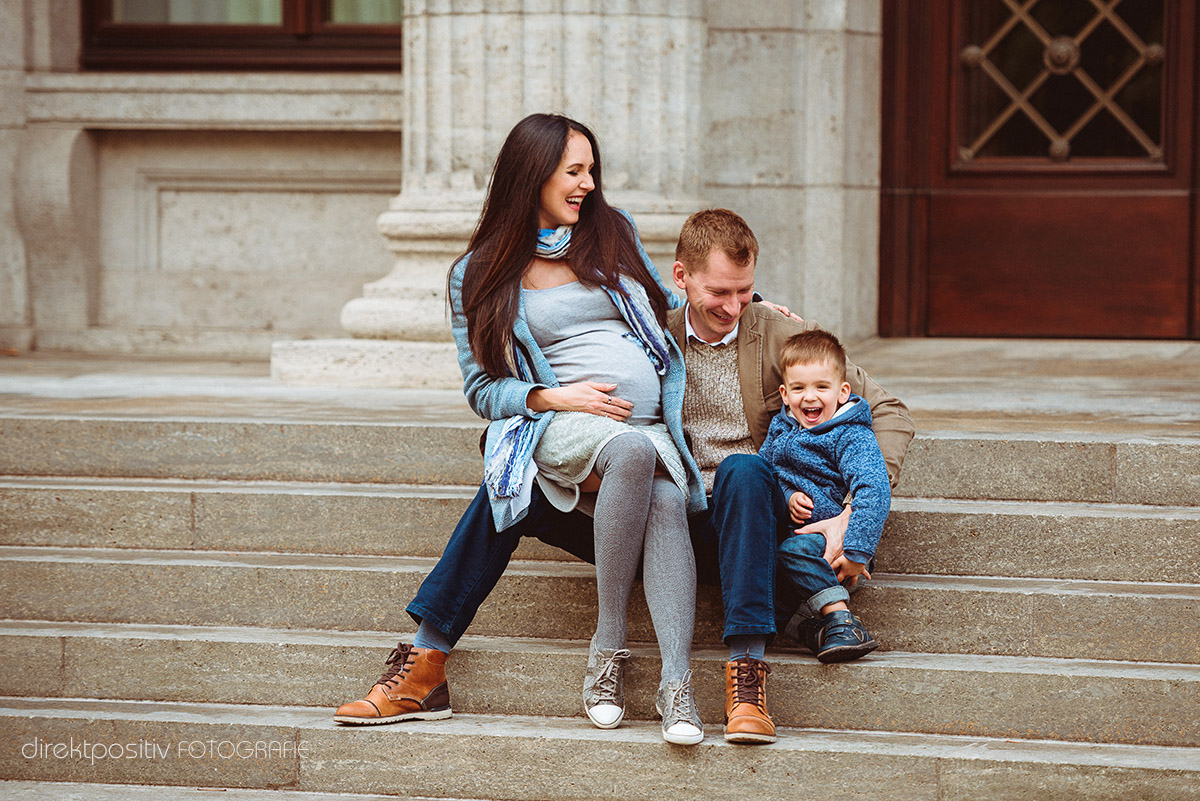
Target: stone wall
{"x": 792, "y": 143}
{"x": 214, "y": 213}
{"x": 203, "y": 214}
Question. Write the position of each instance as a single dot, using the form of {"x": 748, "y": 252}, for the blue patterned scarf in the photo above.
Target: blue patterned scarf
{"x": 553, "y": 242}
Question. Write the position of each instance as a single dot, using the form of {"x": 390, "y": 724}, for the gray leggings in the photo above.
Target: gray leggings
{"x": 641, "y": 517}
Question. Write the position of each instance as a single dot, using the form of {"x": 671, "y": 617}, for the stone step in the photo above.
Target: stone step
{"x": 960, "y": 694}
{"x": 476, "y": 756}
{"x": 927, "y": 535}
{"x": 1104, "y": 542}
{"x": 291, "y": 516}
{"x": 1024, "y": 617}
{"x": 82, "y": 791}
{"x": 1034, "y": 467}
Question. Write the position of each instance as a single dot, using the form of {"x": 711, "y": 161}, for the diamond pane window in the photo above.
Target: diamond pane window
{"x": 1061, "y": 79}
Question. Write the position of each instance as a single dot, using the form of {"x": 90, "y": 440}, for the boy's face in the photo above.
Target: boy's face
{"x": 813, "y": 392}
{"x": 717, "y": 292}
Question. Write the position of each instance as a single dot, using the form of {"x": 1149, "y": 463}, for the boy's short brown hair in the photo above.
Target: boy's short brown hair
{"x": 715, "y": 229}
{"x": 815, "y": 345}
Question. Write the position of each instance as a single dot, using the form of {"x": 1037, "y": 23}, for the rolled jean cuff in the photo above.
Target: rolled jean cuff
{"x": 419, "y": 614}
{"x": 826, "y": 597}
{"x": 767, "y": 631}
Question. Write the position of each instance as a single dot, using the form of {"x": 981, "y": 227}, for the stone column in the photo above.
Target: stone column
{"x": 58, "y": 218}
{"x": 629, "y": 69}
{"x": 793, "y": 99}
{"x": 16, "y": 331}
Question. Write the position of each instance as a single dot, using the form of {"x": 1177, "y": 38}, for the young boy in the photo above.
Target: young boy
{"x": 824, "y": 455}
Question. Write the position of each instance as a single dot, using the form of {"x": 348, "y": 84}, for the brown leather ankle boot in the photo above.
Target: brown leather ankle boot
{"x": 413, "y": 688}
{"x": 746, "y": 717}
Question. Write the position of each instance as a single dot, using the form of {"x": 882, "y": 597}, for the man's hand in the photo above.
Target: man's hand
{"x": 834, "y": 530}
{"x": 846, "y": 569}
{"x": 784, "y": 310}
{"x": 800, "y": 507}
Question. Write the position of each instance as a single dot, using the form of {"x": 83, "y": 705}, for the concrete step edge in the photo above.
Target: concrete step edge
{"x": 1006, "y": 750}
{"x": 465, "y": 421}
{"x": 374, "y": 563}
{"x": 19, "y": 790}
{"x": 1157, "y": 671}
{"x": 466, "y": 492}
{"x": 238, "y": 486}
{"x": 272, "y": 421}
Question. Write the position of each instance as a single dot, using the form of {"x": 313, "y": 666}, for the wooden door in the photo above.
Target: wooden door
{"x": 1040, "y": 168}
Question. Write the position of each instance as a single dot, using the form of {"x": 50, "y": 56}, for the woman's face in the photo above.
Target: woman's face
{"x": 563, "y": 193}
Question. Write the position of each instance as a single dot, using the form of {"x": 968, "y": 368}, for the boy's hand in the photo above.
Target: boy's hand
{"x": 846, "y": 569}
{"x": 834, "y": 531}
{"x": 800, "y": 507}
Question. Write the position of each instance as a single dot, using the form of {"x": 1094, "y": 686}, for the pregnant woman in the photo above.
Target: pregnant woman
{"x": 559, "y": 317}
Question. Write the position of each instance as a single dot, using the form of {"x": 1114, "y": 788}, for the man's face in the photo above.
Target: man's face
{"x": 717, "y": 292}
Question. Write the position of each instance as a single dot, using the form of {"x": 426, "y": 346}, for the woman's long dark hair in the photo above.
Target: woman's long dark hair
{"x": 505, "y": 239}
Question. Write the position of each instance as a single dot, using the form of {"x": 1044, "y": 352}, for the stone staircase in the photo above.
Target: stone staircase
{"x": 198, "y": 565}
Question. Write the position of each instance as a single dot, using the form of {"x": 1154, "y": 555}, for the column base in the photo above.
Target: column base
{"x": 366, "y": 363}
{"x": 16, "y": 339}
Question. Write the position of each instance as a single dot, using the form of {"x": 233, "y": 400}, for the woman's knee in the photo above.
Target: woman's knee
{"x": 667, "y": 500}
{"x": 631, "y": 453}
{"x": 667, "y": 521}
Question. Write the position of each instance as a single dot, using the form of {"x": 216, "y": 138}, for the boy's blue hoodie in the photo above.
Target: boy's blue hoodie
{"x": 837, "y": 459}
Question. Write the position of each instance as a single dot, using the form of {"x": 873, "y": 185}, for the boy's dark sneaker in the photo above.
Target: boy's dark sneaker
{"x": 838, "y": 637}
{"x": 808, "y": 632}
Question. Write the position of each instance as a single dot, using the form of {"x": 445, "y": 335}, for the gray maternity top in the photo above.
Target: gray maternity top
{"x": 584, "y": 338}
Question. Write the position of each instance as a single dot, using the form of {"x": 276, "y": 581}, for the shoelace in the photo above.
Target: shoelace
{"x": 398, "y": 660}
{"x": 606, "y": 680}
{"x": 681, "y": 703}
{"x": 748, "y": 677}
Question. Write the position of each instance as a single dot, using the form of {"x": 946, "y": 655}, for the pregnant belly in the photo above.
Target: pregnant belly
{"x": 616, "y": 360}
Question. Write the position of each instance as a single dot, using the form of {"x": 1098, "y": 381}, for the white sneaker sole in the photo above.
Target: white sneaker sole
{"x": 683, "y": 739}
{"x": 600, "y": 725}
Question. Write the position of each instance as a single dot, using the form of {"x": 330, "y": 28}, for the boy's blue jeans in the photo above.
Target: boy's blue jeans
{"x": 811, "y": 579}
{"x": 734, "y": 543}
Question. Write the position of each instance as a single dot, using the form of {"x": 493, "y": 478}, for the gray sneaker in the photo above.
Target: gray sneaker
{"x": 603, "y": 686}
{"x": 680, "y": 721}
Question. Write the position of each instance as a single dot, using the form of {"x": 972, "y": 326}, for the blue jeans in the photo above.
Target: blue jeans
{"x": 811, "y": 579}
{"x": 734, "y": 543}
{"x": 477, "y": 554}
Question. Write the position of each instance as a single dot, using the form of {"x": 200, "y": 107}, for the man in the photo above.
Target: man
{"x": 730, "y": 348}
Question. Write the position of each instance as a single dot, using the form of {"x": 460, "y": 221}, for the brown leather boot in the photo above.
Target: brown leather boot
{"x": 746, "y": 718}
{"x": 413, "y": 688}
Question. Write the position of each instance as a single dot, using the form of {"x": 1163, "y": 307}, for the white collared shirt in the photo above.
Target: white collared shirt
{"x": 691, "y": 332}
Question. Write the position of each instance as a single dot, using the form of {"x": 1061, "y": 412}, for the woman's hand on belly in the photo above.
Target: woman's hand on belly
{"x": 592, "y": 397}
